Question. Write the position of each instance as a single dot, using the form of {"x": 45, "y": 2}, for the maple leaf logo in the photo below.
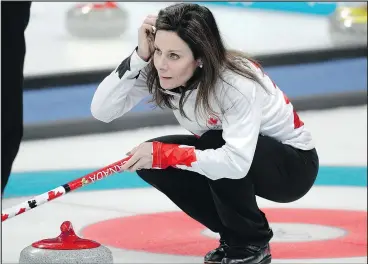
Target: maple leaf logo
{"x": 84, "y": 181}
{"x": 4, "y": 217}
{"x": 212, "y": 121}
{"x": 22, "y": 210}
{"x": 53, "y": 195}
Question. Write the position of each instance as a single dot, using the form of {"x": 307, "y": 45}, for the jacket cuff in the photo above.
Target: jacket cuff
{"x": 166, "y": 155}
{"x": 136, "y": 62}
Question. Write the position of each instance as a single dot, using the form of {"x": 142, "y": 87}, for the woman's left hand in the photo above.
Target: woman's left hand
{"x": 141, "y": 158}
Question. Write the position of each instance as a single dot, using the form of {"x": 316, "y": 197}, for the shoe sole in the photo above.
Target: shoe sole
{"x": 266, "y": 260}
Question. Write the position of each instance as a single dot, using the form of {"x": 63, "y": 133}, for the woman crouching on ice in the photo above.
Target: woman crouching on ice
{"x": 247, "y": 139}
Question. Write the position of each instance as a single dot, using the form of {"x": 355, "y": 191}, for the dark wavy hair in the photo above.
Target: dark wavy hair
{"x": 196, "y": 25}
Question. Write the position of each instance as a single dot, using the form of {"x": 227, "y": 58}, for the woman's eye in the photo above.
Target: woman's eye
{"x": 174, "y": 56}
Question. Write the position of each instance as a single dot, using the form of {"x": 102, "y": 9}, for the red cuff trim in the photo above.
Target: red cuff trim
{"x": 166, "y": 155}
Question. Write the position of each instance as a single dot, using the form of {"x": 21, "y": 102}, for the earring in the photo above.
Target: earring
{"x": 201, "y": 66}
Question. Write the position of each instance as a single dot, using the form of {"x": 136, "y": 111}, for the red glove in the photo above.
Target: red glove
{"x": 166, "y": 155}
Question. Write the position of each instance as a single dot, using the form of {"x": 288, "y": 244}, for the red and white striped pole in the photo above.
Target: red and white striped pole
{"x": 63, "y": 189}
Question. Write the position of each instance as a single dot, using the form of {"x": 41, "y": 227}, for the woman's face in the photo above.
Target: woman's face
{"x": 173, "y": 60}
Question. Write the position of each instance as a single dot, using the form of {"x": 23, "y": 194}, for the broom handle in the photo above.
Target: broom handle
{"x": 63, "y": 189}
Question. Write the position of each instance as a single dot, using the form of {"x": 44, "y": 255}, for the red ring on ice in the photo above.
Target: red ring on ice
{"x": 176, "y": 233}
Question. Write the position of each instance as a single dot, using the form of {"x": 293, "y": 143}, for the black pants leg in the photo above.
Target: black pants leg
{"x": 278, "y": 173}
{"x": 188, "y": 190}
{"x": 14, "y": 20}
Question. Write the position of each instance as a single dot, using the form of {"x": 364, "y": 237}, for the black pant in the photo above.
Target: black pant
{"x": 278, "y": 173}
{"x": 14, "y": 20}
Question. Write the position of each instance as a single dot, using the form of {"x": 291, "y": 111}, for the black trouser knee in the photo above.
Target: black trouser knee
{"x": 188, "y": 190}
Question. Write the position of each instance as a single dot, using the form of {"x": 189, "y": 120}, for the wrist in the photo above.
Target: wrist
{"x": 143, "y": 56}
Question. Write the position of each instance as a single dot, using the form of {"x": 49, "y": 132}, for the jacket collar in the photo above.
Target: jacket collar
{"x": 177, "y": 92}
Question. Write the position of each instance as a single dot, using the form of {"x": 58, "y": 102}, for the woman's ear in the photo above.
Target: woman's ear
{"x": 199, "y": 63}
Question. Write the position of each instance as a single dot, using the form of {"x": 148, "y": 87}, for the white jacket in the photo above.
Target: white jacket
{"x": 250, "y": 111}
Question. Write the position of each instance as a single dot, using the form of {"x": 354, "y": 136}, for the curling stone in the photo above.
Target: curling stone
{"x": 66, "y": 248}
{"x": 96, "y": 20}
{"x": 348, "y": 24}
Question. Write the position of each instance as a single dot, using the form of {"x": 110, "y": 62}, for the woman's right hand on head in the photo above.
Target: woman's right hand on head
{"x": 146, "y": 38}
